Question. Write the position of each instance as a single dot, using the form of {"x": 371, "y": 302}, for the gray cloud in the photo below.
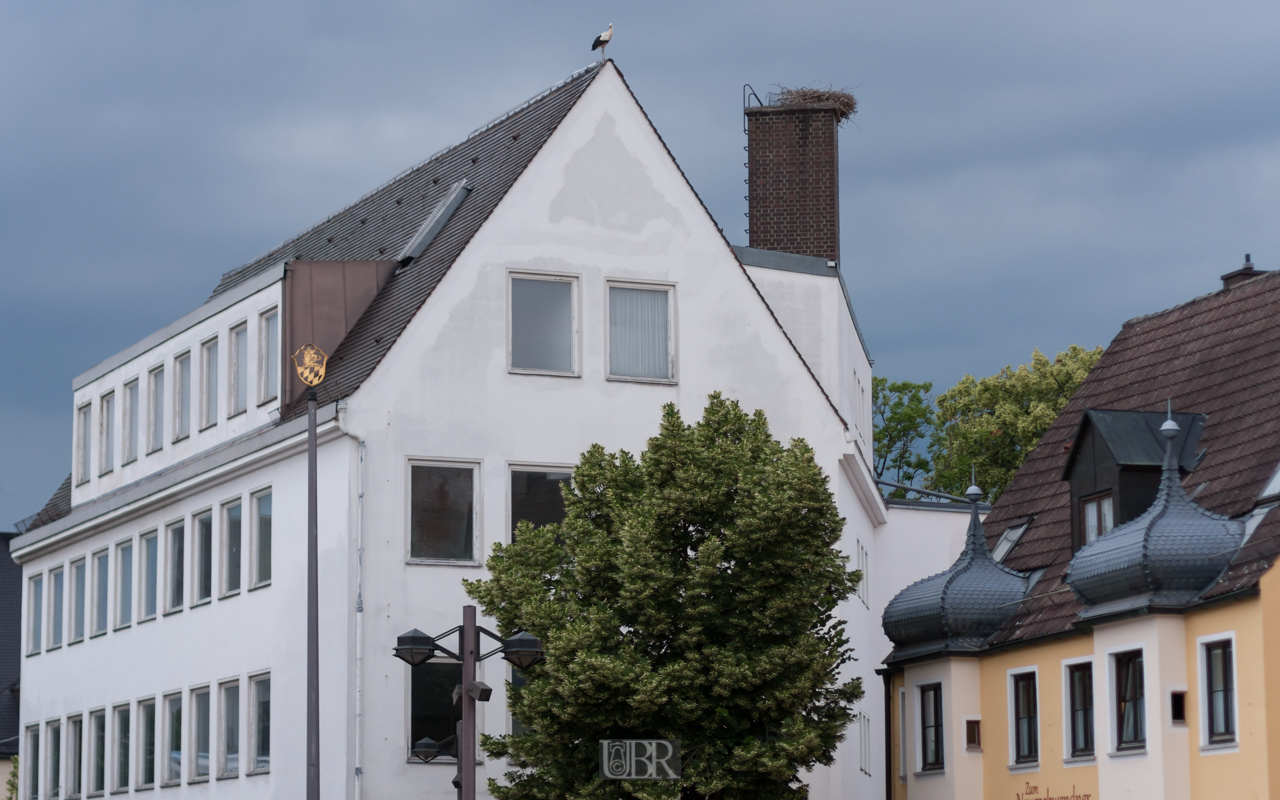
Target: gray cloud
{"x": 1018, "y": 175}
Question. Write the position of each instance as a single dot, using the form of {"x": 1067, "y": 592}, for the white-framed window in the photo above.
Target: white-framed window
{"x": 865, "y": 735}
{"x": 536, "y": 495}
{"x": 1008, "y": 539}
{"x": 261, "y": 539}
{"x": 53, "y": 761}
{"x": 200, "y": 729}
{"x": 35, "y": 614}
{"x": 1219, "y": 707}
{"x": 155, "y": 409}
{"x": 124, "y": 584}
{"x": 30, "y": 763}
{"x": 260, "y": 723}
{"x": 79, "y": 597}
{"x": 172, "y": 736}
{"x": 107, "y": 433}
{"x": 202, "y": 558}
{"x": 238, "y": 391}
{"x": 641, "y": 332}
{"x": 931, "y": 741}
{"x": 97, "y": 752}
{"x": 147, "y": 740}
{"x": 129, "y": 423}
{"x": 1078, "y": 703}
{"x": 57, "y": 579}
{"x": 903, "y": 730}
{"x": 232, "y": 556}
{"x": 149, "y": 566}
{"x": 209, "y": 383}
{"x": 1128, "y": 700}
{"x": 176, "y": 565}
{"x": 1024, "y": 715}
{"x": 101, "y": 592}
{"x": 542, "y": 330}
{"x": 229, "y": 741}
{"x": 864, "y": 567}
{"x": 84, "y": 417}
{"x": 123, "y": 758}
{"x": 182, "y": 397}
{"x": 268, "y": 355}
{"x": 443, "y": 511}
{"x": 432, "y": 710}
{"x": 75, "y": 763}
{"x": 1096, "y": 516}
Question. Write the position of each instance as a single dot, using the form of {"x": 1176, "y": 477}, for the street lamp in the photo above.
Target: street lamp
{"x": 415, "y": 648}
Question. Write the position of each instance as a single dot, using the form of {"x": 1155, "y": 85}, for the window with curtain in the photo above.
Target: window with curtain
{"x": 1080, "y": 686}
{"x": 640, "y": 333}
{"x": 442, "y": 514}
{"x": 542, "y": 324}
{"x": 931, "y": 727}
{"x": 1026, "y": 731}
{"x": 1097, "y": 516}
{"x": 1220, "y": 692}
{"x": 1131, "y": 731}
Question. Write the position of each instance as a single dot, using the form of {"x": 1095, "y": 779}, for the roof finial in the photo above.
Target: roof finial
{"x": 973, "y": 492}
{"x": 1169, "y": 429}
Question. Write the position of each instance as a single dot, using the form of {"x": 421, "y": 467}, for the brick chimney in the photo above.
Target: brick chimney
{"x": 793, "y": 172}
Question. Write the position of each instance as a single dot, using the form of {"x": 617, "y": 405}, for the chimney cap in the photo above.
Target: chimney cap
{"x": 1246, "y": 271}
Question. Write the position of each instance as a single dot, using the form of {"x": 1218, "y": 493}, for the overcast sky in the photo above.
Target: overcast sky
{"x": 1018, "y": 175}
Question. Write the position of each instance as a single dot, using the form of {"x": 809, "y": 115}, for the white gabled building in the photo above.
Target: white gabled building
{"x": 547, "y": 284}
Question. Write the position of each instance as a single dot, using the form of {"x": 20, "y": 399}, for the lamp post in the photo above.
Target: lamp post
{"x": 416, "y": 648}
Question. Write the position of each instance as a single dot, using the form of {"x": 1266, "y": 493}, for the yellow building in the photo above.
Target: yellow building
{"x": 1112, "y": 629}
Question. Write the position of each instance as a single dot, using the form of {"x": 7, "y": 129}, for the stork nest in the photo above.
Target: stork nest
{"x": 846, "y": 105}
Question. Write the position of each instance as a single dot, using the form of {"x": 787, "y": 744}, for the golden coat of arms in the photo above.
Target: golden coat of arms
{"x": 310, "y": 361}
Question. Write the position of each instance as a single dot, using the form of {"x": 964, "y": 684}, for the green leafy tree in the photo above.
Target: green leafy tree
{"x": 689, "y": 594}
{"x": 11, "y": 785}
{"x": 992, "y": 424}
{"x": 902, "y": 415}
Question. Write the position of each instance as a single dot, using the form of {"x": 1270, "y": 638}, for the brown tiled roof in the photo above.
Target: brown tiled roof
{"x": 1217, "y": 355}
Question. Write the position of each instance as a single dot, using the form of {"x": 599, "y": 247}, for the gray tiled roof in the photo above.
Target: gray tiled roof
{"x": 958, "y": 609}
{"x": 57, "y": 507}
{"x": 1166, "y": 556}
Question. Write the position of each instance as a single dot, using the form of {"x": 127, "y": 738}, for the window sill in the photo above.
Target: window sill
{"x": 258, "y": 586}
{"x": 231, "y": 593}
{"x": 53, "y": 647}
{"x": 659, "y": 381}
{"x": 268, "y": 400}
{"x": 441, "y": 562}
{"x": 97, "y": 635}
{"x": 972, "y": 748}
{"x": 1030, "y": 766}
{"x": 230, "y": 776}
{"x": 82, "y": 482}
{"x": 104, "y": 474}
{"x": 127, "y": 462}
{"x": 198, "y": 779}
{"x": 120, "y": 791}
{"x": 34, "y": 653}
{"x": 123, "y": 627}
{"x": 253, "y": 772}
{"x": 207, "y": 427}
{"x": 75, "y": 641}
{"x": 172, "y": 611}
{"x": 159, "y": 449}
{"x": 1079, "y": 761}
{"x": 167, "y": 784}
{"x": 146, "y": 788}
{"x": 235, "y": 414}
{"x": 206, "y": 601}
{"x": 1220, "y": 748}
{"x": 1136, "y": 751}
{"x": 928, "y": 773}
{"x": 545, "y": 372}
{"x": 151, "y": 618}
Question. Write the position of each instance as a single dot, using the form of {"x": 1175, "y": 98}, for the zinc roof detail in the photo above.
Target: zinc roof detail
{"x": 1217, "y": 355}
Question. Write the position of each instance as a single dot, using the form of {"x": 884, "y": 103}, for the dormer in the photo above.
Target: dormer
{"x": 1113, "y": 467}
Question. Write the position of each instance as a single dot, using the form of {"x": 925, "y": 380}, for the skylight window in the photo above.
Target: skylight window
{"x": 1008, "y": 539}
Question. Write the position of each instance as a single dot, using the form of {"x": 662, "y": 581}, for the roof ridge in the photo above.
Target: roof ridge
{"x": 498, "y": 120}
{"x": 1263, "y": 275}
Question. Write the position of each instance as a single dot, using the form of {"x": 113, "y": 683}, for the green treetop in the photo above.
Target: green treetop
{"x": 689, "y": 594}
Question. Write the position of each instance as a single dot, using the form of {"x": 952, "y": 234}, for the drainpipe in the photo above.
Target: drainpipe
{"x": 360, "y": 625}
{"x": 888, "y": 734}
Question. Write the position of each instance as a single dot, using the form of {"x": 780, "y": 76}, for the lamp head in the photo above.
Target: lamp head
{"x": 425, "y": 749}
{"x": 523, "y": 650}
{"x": 415, "y": 648}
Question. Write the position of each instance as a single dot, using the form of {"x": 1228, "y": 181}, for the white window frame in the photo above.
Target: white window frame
{"x": 1202, "y": 690}
{"x": 181, "y": 396}
{"x": 95, "y": 600}
{"x": 1011, "y": 708}
{"x": 236, "y": 366}
{"x": 1068, "y": 759}
{"x": 73, "y": 778}
{"x": 575, "y": 309}
{"x": 526, "y": 466}
{"x": 224, "y": 552}
{"x": 84, "y": 449}
{"x": 865, "y": 748}
{"x": 210, "y": 372}
{"x": 130, "y": 417}
{"x": 864, "y": 566}
{"x": 53, "y": 617}
{"x": 114, "y": 783}
{"x": 139, "y": 741}
{"x": 221, "y": 728}
{"x": 51, "y": 770}
{"x": 918, "y": 734}
{"x": 35, "y": 602}
{"x": 166, "y": 729}
{"x": 672, "y": 333}
{"x": 904, "y": 735}
{"x": 1008, "y": 540}
{"x": 170, "y": 569}
{"x": 268, "y": 389}
{"x": 252, "y": 717}
{"x": 254, "y": 535}
{"x": 79, "y": 599}
{"x": 197, "y": 559}
{"x": 107, "y": 433}
{"x": 140, "y": 576}
{"x": 477, "y": 510}
{"x": 1109, "y": 686}
{"x": 123, "y": 604}
{"x": 193, "y": 730}
{"x": 439, "y": 660}
{"x": 92, "y": 751}
{"x": 31, "y": 766}
{"x": 155, "y": 409}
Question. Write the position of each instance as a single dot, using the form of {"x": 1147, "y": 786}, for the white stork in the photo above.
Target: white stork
{"x": 602, "y": 41}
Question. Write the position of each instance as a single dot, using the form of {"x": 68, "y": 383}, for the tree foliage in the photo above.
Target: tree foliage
{"x": 902, "y": 415}
{"x": 992, "y": 424}
{"x": 689, "y": 594}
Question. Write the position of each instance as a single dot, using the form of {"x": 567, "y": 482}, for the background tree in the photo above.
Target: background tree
{"x": 902, "y": 415}
{"x": 691, "y": 595}
{"x": 994, "y": 423}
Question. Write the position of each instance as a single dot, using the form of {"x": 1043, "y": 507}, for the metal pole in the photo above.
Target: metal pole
{"x": 467, "y": 747}
{"x": 313, "y": 610}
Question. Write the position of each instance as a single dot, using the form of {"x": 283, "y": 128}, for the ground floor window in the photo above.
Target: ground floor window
{"x": 1080, "y": 687}
{"x": 1131, "y": 728}
{"x": 33, "y": 763}
{"x": 931, "y": 726}
{"x": 432, "y": 710}
{"x": 1026, "y": 721}
{"x": 1219, "y": 692}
